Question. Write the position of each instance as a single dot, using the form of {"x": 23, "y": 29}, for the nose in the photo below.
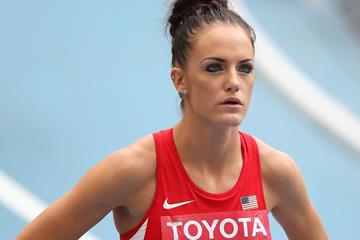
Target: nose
{"x": 232, "y": 83}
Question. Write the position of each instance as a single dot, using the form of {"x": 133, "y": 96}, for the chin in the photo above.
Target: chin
{"x": 230, "y": 121}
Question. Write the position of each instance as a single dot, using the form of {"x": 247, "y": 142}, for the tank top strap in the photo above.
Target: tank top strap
{"x": 252, "y": 172}
{"x": 171, "y": 179}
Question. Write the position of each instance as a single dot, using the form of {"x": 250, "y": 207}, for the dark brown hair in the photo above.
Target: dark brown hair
{"x": 186, "y": 17}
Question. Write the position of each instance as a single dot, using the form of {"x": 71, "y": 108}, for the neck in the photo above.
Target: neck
{"x": 207, "y": 147}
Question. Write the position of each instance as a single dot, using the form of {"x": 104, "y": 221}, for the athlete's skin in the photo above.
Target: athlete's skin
{"x": 208, "y": 144}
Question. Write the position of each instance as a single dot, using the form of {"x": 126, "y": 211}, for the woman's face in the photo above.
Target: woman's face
{"x": 218, "y": 75}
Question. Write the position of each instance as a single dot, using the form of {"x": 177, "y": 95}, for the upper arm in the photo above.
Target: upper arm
{"x": 109, "y": 184}
{"x": 291, "y": 205}
{"x": 294, "y": 210}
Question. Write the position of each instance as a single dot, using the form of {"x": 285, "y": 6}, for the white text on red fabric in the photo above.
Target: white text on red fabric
{"x": 239, "y": 225}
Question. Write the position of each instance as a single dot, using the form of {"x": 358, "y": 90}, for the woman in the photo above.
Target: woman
{"x": 203, "y": 179}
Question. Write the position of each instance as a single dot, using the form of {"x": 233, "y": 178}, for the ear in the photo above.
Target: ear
{"x": 178, "y": 79}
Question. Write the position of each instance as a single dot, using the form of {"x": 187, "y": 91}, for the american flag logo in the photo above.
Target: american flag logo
{"x": 249, "y": 202}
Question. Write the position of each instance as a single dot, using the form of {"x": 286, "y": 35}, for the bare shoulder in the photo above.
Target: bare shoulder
{"x": 286, "y": 195}
{"x": 139, "y": 157}
{"x": 132, "y": 166}
{"x": 279, "y": 171}
{"x": 114, "y": 182}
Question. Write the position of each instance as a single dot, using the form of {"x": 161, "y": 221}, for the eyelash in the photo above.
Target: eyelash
{"x": 249, "y": 68}
{"x": 211, "y": 70}
{"x": 241, "y": 68}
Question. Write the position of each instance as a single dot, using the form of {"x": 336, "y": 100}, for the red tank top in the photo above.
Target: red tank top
{"x": 182, "y": 210}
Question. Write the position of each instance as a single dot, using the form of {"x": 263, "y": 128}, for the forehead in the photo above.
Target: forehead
{"x": 223, "y": 40}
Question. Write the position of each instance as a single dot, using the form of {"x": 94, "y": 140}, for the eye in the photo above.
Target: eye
{"x": 246, "y": 68}
{"x": 213, "y": 68}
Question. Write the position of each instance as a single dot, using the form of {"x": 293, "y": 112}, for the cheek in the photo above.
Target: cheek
{"x": 251, "y": 85}
{"x": 204, "y": 93}
{"x": 248, "y": 90}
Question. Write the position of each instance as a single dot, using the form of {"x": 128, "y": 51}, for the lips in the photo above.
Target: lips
{"x": 232, "y": 101}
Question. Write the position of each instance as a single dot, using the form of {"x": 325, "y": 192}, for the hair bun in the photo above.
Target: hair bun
{"x": 213, "y": 3}
{"x": 184, "y": 8}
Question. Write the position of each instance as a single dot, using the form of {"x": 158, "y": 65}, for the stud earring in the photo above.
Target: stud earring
{"x": 182, "y": 91}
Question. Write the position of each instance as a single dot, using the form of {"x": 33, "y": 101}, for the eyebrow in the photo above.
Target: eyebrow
{"x": 223, "y": 60}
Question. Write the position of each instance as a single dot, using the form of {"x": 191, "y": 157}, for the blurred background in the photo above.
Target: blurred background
{"x": 81, "y": 79}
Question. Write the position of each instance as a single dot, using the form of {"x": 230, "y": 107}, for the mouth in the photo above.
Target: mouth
{"x": 232, "y": 101}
